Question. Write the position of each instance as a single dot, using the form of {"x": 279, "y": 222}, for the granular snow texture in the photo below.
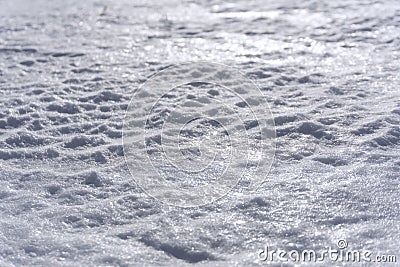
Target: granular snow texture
{"x": 68, "y": 69}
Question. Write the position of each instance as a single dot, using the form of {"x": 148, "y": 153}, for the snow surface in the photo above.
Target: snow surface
{"x": 329, "y": 70}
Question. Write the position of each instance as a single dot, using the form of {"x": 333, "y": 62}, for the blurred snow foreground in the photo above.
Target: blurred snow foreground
{"x": 72, "y": 89}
